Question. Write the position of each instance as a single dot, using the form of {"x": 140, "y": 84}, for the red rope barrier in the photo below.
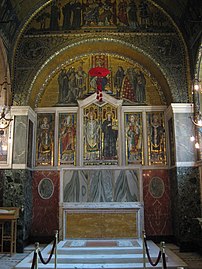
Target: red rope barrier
{"x": 51, "y": 254}
{"x": 34, "y": 260}
{"x": 148, "y": 255}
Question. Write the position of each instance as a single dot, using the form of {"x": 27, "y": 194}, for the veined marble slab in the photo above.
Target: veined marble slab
{"x": 132, "y": 205}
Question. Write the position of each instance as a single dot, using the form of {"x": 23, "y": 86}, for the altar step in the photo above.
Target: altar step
{"x": 109, "y": 254}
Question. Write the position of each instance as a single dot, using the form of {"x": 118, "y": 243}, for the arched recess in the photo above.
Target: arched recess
{"x": 71, "y": 53}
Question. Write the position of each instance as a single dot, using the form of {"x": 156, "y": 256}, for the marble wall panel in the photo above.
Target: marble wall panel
{"x": 185, "y": 195}
{"x": 103, "y": 185}
{"x": 20, "y": 140}
{"x": 45, "y": 190}
{"x": 185, "y": 151}
{"x": 157, "y": 202}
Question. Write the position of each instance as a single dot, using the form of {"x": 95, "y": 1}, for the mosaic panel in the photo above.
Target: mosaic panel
{"x": 134, "y": 138}
{"x": 67, "y": 138}
{"x": 109, "y": 15}
{"x": 45, "y": 139}
{"x": 156, "y": 138}
{"x": 100, "y": 135}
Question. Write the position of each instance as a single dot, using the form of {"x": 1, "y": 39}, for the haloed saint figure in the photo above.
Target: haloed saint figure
{"x": 134, "y": 137}
{"x": 92, "y": 134}
{"x": 67, "y": 140}
{"x": 110, "y": 134}
{"x": 156, "y": 138}
{"x": 45, "y": 138}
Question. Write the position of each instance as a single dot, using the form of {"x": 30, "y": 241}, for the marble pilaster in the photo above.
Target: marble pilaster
{"x": 184, "y": 179}
{"x": 23, "y": 138}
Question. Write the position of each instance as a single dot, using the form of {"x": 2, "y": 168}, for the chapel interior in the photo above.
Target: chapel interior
{"x": 100, "y": 124}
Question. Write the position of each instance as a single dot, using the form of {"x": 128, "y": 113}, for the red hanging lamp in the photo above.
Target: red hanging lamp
{"x": 99, "y": 72}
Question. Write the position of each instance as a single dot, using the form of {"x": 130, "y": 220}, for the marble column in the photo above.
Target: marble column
{"x": 184, "y": 179}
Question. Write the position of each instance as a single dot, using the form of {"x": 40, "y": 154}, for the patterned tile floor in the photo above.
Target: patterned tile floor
{"x": 193, "y": 259}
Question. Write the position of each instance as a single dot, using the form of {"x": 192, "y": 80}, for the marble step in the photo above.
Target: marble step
{"x": 97, "y": 266}
{"x": 106, "y": 250}
{"x": 98, "y": 258}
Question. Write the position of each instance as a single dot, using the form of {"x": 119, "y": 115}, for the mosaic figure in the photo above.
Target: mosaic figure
{"x": 67, "y": 139}
{"x": 63, "y": 86}
{"x": 140, "y": 89}
{"x": 156, "y": 139}
{"x": 45, "y": 142}
{"x": 118, "y": 80}
{"x": 129, "y": 85}
{"x": 92, "y": 131}
{"x": 110, "y": 138}
{"x": 134, "y": 139}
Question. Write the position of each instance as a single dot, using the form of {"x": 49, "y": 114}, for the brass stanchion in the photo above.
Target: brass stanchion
{"x": 37, "y": 254}
{"x": 143, "y": 249}
{"x": 163, "y": 257}
{"x": 56, "y": 243}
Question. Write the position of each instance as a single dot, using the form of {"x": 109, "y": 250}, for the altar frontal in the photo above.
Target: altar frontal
{"x": 104, "y": 203}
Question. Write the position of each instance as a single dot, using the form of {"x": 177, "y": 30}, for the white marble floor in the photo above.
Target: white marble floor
{"x": 9, "y": 262}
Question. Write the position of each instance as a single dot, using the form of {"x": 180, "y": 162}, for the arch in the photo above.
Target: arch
{"x": 95, "y": 45}
{"x": 43, "y": 4}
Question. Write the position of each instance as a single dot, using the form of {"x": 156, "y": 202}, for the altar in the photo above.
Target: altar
{"x": 103, "y": 220}
{"x": 104, "y": 203}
